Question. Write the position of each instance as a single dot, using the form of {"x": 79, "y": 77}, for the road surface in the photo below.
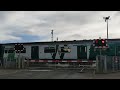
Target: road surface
{"x": 54, "y": 74}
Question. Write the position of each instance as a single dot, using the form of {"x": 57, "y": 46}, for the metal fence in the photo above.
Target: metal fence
{"x": 16, "y": 63}
{"x": 107, "y": 64}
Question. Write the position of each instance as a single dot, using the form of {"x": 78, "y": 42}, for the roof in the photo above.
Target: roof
{"x": 56, "y": 42}
{"x": 49, "y": 42}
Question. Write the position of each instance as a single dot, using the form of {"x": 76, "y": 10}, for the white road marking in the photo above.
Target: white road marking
{"x": 41, "y": 70}
{"x": 10, "y": 72}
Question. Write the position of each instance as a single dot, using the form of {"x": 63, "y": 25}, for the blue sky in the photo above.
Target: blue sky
{"x": 67, "y": 25}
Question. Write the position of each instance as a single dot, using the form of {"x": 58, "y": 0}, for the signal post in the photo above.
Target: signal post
{"x": 100, "y": 44}
{"x": 18, "y": 48}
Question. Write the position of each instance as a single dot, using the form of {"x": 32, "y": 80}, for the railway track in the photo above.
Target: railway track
{"x": 78, "y": 68}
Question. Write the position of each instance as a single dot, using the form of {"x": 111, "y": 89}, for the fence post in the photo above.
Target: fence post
{"x": 27, "y": 63}
{"x": 19, "y": 61}
{"x": 0, "y": 62}
{"x": 105, "y": 64}
{"x": 113, "y": 64}
{"x": 97, "y": 68}
{"x": 118, "y": 63}
{"x": 22, "y": 62}
{"x": 5, "y": 63}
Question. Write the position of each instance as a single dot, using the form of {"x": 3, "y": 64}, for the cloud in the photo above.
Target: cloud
{"x": 67, "y": 25}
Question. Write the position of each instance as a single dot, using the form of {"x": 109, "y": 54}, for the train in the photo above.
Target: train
{"x": 72, "y": 51}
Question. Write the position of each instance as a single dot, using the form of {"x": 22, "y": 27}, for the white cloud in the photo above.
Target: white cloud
{"x": 67, "y": 25}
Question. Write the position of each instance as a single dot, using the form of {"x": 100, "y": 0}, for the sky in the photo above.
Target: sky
{"x": 36, "y": 26}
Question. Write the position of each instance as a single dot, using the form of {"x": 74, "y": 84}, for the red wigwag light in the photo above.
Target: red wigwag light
{"x": 96, "y": 41}
{"x": 103, "y": 41}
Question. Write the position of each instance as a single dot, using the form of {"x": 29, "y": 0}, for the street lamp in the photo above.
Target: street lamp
{"x": 106, "y": 20}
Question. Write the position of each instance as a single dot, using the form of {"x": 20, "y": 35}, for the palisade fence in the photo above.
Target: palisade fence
{"x": 107, "y": 64}
{"x": 1, "y": 61}
{"x": 15, "y": 63}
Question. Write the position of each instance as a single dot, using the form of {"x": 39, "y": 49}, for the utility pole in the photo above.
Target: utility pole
{"x": 52, "y": 35}
{"x": 106, "y": 20}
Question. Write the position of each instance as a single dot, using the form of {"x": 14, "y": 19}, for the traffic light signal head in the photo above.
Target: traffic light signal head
{"x": 103, "y": 42}
{"x": 99, "y": 42}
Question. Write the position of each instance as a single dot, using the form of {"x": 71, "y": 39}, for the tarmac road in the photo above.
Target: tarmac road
{"x": 54, "y": 74}
{"x": 44, "y": 74}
